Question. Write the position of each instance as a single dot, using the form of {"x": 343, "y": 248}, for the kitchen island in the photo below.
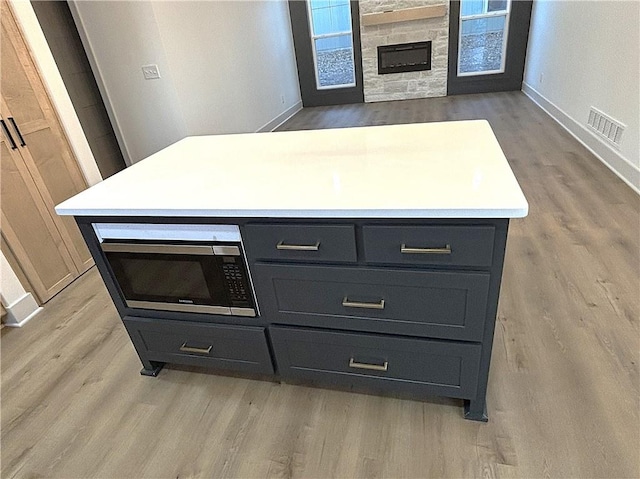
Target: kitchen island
{"x": 374, "y": 254}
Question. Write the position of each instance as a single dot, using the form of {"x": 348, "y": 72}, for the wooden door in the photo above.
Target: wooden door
{"x": 43, "y": 163}
{"x": 29, "y": 230}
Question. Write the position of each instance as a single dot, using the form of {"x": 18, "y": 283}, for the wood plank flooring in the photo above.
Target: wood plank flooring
{"x": 563, "y": 392}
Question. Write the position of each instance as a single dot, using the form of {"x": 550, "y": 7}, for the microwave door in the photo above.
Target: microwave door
{"x": 179, "y": 279}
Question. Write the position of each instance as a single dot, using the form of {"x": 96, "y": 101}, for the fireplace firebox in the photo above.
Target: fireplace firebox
{"x": 404, "y": 57}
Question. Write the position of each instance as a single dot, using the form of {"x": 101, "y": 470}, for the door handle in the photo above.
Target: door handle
{"x": 298, "y": 247}
{"x": 409, "y": 250}
{"x": 373, "y": 367}
{"x": 357, "y": 304}
{"x": 15, "y": 126}
{"x": 8, "y": 134}
{"x": 189, "y": 349}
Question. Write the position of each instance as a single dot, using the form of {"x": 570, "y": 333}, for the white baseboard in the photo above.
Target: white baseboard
{"x": 21, "y": 311}
{"x": 623, "y": 168}
{"x": 281, "y": 118}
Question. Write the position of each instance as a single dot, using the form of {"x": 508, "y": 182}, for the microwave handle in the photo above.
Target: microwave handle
{"x": 158, "y": 248}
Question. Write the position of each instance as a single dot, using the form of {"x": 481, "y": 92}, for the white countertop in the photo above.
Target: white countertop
{"x": 425, "y": 170}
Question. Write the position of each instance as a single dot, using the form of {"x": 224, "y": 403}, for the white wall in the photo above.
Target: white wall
{"x": 225, "y": 67}
{"x": 10, "y": 288}
{"x": 586, "y": 53}
{"x": 122, "y": 37}
{"x": 20, "y": 305}
{"x": 232, "y": 62}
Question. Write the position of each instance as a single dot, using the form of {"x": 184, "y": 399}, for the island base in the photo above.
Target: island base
{"x": 153, "y": 370}
{"x": 426, "y": 313}
{"x": 476, "y": 410}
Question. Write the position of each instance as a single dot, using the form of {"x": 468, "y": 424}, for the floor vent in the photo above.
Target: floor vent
{"x": 606, "y": 127}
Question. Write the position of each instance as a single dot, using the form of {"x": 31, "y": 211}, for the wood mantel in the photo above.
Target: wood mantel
{"x": 403, "y": 15}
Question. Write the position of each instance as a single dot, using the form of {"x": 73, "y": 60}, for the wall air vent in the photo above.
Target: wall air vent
{"x": 606, "y": 127}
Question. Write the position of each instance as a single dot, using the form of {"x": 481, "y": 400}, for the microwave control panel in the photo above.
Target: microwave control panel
{"x": 236, "y": 287}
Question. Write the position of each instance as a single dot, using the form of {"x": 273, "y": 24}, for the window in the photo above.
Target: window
{"x": 483, "y": 36}
{"x": 332, "y": 43}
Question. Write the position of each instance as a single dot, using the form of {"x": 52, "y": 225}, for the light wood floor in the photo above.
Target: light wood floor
{"x": 563, "y": 390}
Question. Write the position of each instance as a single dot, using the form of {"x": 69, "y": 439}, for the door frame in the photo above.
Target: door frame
{"x": 518, "y": 36}
{"x": 311, "y": 96}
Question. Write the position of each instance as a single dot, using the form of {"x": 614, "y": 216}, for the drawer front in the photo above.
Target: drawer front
{"x": 238, "y": 348}
{"x": 429, "y": 245}
{"x": 440, "y": 304}
{"x": 384, "y": 362}
{"x": 310, "y": 243}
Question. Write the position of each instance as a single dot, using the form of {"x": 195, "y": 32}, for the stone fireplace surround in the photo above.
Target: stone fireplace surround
{"x": 408, "y": 85}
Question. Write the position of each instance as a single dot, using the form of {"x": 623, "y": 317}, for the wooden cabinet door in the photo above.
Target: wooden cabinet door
{"x": 40, "y": 173}
{"x": 29, "y": 230}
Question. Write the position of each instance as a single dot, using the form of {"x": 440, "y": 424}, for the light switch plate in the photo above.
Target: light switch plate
{"x": 150, "y": 72}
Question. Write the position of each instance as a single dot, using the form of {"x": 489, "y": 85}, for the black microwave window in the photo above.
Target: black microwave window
{"x": 172, "y": 279}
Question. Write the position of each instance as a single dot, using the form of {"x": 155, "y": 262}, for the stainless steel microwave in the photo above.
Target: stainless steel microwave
{"x": 190, "y": 268}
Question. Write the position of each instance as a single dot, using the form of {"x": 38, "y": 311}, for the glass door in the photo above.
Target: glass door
{"x": 332, "y": 43}
{"x": 482, "y": 42}
{"x": 487, "y": 45}
{"x": 326, "y": 37}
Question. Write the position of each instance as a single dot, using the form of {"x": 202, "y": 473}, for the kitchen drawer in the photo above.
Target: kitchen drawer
{"x": 377, "y": 361}
{"x": 443, "y": 304}
{"x": 429, "y": 245}
{"x": 311, "y": 243}
{"x": 240, "y": 348}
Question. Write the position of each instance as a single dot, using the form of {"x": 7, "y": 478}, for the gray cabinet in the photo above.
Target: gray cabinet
{"x": 238, "y": 348}
{"x": 440, "y": 304}
{"x": 364, "y": 304}
{"x": 406, "y": 306}
{"x": 470, "y": 246}
{"x": 303, "y": 242}
{"x": 381, "y": 362}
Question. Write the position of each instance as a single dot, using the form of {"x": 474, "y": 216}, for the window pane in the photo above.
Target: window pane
{"x": 335, "y": 61}
{"x": 478, "y": 7}
{"x": 481, "y": 42}
{"x": 330, "y": 16}
{"x": 497, "y": 6}
{"x": 472, "y": 7}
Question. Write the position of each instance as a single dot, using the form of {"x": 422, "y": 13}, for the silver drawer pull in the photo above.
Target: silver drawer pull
{"x": 298, "y": 247}
{"x": 408, "y": 250}
{"x": 189, "y": 349}
{"x": 373, "y": 367}
{"x": 356, "y": 304}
